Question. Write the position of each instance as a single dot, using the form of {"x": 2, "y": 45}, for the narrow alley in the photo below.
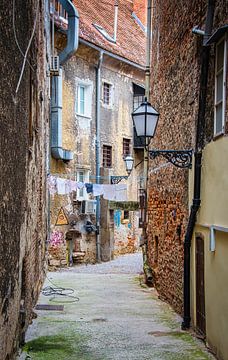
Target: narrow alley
{"x": 116, "y": 317}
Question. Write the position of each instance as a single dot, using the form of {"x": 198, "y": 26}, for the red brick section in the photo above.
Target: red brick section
{"x": 175, "y": 92}
{"x": 130, "y": 37}
{"x": 175, "y": 73}
{"x": 140, "y": 9}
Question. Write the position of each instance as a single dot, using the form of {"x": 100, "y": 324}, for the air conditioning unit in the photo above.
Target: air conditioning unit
{"x": 88, "y": 207}
{"x": 54, "y": 66}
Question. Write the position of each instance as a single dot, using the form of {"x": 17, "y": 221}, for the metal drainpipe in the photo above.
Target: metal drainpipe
{"x": 148, "y": 49}
{"x": 57, "y": 150}
{"x": 98, "y": 207}
{"x": 147, "y": 270}
{"x": 200, "y": 131}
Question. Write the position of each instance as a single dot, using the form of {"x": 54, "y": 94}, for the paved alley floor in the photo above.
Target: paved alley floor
{"x": 117, "y": 317}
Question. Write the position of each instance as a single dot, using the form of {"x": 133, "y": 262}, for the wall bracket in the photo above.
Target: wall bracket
{"x": 179, "y": 158}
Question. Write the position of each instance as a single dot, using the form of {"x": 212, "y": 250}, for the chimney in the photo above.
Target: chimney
{"x": 140, "y": 10}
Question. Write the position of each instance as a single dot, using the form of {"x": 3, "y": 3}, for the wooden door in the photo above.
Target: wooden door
{"x": 200, "y": 288}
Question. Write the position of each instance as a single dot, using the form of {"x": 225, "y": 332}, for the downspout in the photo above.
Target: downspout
{"x": 98, "y": 207}
{"x": 146, "y": 267}
{"x": 57, "y": 150}
{"x": 200, "y": 132}
{"x": 148, "y": 49}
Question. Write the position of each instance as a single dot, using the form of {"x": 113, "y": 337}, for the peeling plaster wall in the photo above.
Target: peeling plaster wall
{"x": 79, "y": 132}
{"x": 23, "y": 163}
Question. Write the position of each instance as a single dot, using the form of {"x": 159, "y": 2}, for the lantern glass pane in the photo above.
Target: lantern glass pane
{"x": 129, "y": 163}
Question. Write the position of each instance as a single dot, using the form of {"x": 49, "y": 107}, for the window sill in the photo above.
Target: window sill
{"x": 108, "y": 107}
{"x": 218, "y": 136}
{"x": 84, "y": 116}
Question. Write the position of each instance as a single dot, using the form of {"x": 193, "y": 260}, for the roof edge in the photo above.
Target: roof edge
{"x": 115, "y": 56}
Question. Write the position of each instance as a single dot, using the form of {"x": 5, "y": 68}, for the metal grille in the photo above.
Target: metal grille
{"x": 126, "y": 147}
{"x": 106, "y": 93}
{"x": 107, "y": 156}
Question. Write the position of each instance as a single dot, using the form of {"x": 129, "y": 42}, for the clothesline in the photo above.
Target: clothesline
{"x": 62, "y": 186}
{"x": 69, "y": 175}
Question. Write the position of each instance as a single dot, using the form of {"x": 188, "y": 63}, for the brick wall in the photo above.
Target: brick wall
{"x": 175, "y": 93}
{"x": 174, "y": 82}
{"x": 23, "y": 151}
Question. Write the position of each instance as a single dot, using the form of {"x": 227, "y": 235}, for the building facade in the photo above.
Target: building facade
{"x": 102, "y": 79}
{"x": 24, "y": 109}
{"x": 187, "y": 239}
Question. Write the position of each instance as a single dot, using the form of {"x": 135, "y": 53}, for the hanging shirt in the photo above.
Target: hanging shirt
{"x": 61, "y": 186}
{"x": 98, "y": 189}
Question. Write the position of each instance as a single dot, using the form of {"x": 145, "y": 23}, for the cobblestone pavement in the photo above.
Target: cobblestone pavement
{"x": 126, "y": 264}
{"x": 117, "y": 317}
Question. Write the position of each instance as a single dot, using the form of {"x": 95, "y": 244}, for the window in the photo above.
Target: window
{"x": 138, "y": 98}
{"x": 107, "y": 94}
{"x": 126, "y": 147}
{"x": 107, "y": 156}
{"x": 82, "y": 176}
{"x": 126, "y": 215}
{"x": 84, "y": 100}
{"x": 59, "y": 10}
{"x": 220, "y": 79}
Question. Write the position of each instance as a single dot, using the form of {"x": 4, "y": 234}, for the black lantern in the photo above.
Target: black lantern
{"x": 145, "y": 119}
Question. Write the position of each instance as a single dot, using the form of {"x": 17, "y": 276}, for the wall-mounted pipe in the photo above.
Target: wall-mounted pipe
{"x": 200, "y": 133}
{"x": 57, "y": 150}
{"x": 72, "y": 32}
{"x": 98, "y": 150}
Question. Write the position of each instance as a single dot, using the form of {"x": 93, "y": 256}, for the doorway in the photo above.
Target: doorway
{"x": 200, "y": 287}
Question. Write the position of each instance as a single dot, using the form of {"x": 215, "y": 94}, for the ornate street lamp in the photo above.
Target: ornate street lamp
{"x": 129, "y": 161}
{"x": 145, "y": 119}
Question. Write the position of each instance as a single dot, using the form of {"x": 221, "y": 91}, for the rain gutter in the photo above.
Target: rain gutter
{"x": 114, "y": 56}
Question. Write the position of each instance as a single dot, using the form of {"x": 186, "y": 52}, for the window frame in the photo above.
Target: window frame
{"x": 108, "y": 147}
{"x": 82, "y": 193}
{"x": 111, "y": 89}
{"x": 223, "y": 101}
{"x": 124, "y": 147}
{"x": 87, "y": 99}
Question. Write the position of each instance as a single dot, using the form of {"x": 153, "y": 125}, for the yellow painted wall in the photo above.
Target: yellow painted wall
{"x": 213, "y": 211}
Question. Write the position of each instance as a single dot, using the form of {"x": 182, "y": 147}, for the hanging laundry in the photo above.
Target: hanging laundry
{"x": 51, "y": 183}
{"x": 98, "y": 190}
{"x": 73, "y": 185}
{"x": 61, "y": 186}
{"x": 121, "y": 192}
{"x": 109, "y": 192}
{"x": 89, "y": 188}
{"x": 80, "y": 185}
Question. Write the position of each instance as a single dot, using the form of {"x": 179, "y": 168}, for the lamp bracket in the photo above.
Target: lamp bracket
{"x": 117, "y": 179}
{"x": 179, "y": 158}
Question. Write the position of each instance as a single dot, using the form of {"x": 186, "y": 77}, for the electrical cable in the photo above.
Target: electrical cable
{"x": 58, "y": 291}
{"x": 27, "y": 50}
{"x": 15, "y": 37}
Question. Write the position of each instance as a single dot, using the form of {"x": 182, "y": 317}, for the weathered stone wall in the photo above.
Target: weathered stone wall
{"x": 79, "y": 135}
{"x": 23, "y": 158}
{"x": 175, "y": 84}
{"x": 175, "y": 94}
